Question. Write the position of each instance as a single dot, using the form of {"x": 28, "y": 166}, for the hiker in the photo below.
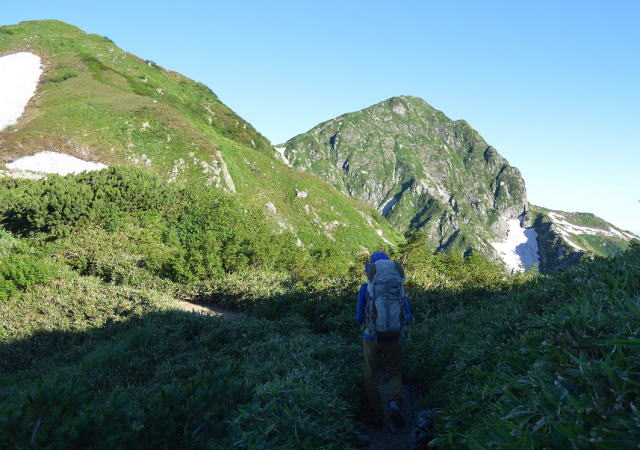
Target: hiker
{"x": 384, "y": 310}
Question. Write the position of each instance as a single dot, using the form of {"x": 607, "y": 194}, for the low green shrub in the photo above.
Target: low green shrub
{"x": 54, "y": 205}
{"x": 19, "y": 272}
{"x": 215, "y": 234}
{"x": 209, "y": 232}
{"x": 57, "y": 205}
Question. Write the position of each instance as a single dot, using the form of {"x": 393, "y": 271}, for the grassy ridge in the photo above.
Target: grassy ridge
{"x": 96, "y": 101}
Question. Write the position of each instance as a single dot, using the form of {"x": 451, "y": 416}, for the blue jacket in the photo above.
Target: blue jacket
{"x": 362, "y": 304}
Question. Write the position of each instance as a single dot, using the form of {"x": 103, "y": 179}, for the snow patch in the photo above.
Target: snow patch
{"x": 386, "y": 209}
{"x": 54, "y": 162}
{"x": 280, "y": 151}
{"x": 617, "y": 233}
{"x": 623, "y": 234}
{"x": 19, "y": 76}
{"x": 520, "y": 250}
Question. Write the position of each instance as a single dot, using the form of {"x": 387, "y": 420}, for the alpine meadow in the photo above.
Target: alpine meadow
{"x": 131, "y": 195}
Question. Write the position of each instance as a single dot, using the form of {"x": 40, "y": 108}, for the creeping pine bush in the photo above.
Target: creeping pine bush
{"x": 19, "y": 269}
{"x": 58, "y": 204}
{"x": 215, "y": 233}
{"x": 54, "y": 205}
{"x": 18, "y": 272}
{"x": 204, "y": 232}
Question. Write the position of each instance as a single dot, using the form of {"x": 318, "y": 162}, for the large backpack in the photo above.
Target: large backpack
{"x": 385, "y": 315}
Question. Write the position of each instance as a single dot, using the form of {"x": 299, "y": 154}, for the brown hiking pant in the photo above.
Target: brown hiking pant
{"x": 391, "y": 355}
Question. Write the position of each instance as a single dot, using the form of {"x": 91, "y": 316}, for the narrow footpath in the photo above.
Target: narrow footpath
{"x": 390, "y": 437}
{"x": 210, "y": 310}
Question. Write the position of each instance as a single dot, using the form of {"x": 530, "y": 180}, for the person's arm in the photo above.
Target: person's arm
{"x": 407, "y": 309}
{"x": 362, "y": 303}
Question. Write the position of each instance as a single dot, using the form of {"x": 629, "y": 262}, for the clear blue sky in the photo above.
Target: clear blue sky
{"x": 553, "y": 85}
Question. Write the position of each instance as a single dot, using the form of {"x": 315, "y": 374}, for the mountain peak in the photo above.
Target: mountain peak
{"x": 45, "y": 25}
{"x": 428, "y": 173}
{"x": 420, "y": 169}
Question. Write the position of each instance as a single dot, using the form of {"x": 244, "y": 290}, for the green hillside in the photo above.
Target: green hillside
{"x": 565, "y": 237}
{"x": 98, "y": 102}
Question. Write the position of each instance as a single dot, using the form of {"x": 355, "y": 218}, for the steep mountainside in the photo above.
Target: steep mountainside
{"x": 99, "y": 103}
{"x": 420, "y": 169}
{"x": 426, "y": 172}
{"x": 564, "y": 237}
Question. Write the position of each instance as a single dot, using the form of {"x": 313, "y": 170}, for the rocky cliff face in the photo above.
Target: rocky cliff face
{"x": 419, "y": 168}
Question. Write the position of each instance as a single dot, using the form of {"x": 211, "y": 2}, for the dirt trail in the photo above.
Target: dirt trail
{"x": 390, "y": 437}
{"x": 210, "y": 310}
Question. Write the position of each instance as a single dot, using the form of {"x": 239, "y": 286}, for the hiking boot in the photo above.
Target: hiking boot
{"x": 396, "y": 415}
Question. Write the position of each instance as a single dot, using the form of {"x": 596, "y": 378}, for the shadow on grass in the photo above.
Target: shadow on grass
{"x": 173, "y": 379}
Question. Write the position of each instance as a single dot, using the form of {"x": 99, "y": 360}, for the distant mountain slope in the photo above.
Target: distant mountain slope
{"x": 426, "y": 172}
{"x": 99, "y": 103}
{"x": 566, "y": 236}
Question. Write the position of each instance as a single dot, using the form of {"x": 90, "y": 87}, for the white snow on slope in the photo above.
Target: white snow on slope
{"x": 386, "y": 209}
{"x": 19, "y": 76}
{"x": 565, "y": 228}
{"x": 54, "y": 162}
{"x": 520, "y": 250}
{"x": 280, "y": 151}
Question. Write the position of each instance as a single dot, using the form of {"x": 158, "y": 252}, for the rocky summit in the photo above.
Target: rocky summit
{"x": 427, "y": 173}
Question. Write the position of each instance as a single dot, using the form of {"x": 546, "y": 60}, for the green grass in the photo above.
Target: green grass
{"x": 541, "y": 363}
{"x": 126, "y": 369}
{"x": 600, "y": 245}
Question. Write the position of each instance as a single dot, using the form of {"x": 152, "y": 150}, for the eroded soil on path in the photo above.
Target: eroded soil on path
{"x": 210, "y": 310}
